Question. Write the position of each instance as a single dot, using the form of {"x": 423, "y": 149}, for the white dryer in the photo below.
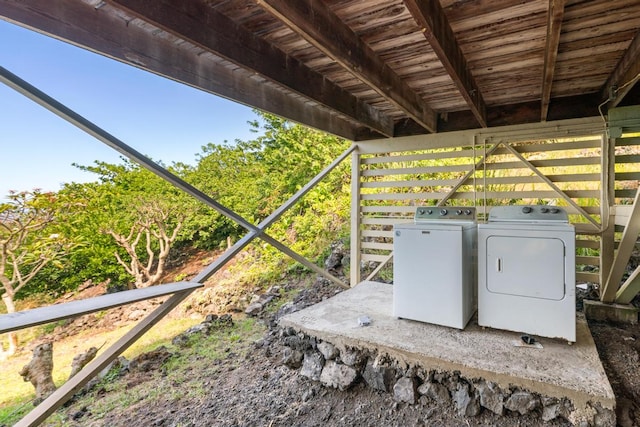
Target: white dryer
{"x": 434, "y": 270}
{"x": 526, "y": 271}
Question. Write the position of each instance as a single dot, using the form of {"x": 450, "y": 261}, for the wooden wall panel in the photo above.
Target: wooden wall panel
{"x": 393, "y": 183}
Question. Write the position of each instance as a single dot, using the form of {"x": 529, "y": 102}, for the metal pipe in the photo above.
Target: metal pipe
{"x": 77, "y": 120}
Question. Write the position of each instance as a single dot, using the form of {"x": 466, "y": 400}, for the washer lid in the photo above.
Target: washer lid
{"x": 529, "y": 214}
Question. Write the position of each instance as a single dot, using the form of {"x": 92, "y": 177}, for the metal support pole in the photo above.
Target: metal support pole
{"x": 68, "y": 389}
{"x": 103, "y": 136}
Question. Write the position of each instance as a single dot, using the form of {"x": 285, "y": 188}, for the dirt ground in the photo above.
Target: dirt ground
{"x": 257, "y": 390}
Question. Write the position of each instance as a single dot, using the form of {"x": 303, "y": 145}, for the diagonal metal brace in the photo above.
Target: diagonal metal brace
{"x": 550, "y": 183}
{"x": 103, "y": 136}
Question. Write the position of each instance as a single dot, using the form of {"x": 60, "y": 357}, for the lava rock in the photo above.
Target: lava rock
{"x": 522, "y": 402}
{"x": 254, "y": 309}
{"x": 491, "y": 397}
{"x": 297, "y": 343}
{"x": 312, "y": 365}
{"x": 604, "y": 417}
{"x": 404, "y": 390}
{"x": 338, "y": 376}
{"x": 351, "y": 357}
{"x": 378, "y": 377}
{"x": 435, "y": 391}
{"x": 466, "y": 403}
{"x": 292, "y": 358}
{"x": 327, "y": 350}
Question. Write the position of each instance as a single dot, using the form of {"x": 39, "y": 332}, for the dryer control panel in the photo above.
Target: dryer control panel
{"x": 528, "y": 213}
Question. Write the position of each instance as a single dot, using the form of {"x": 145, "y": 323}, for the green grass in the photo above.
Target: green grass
{"x": 183, "y": 376}
{"x": 177, "y": 381}
{"x": 16, "y": 393}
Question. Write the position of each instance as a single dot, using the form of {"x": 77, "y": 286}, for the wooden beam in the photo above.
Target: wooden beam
{"x": 629, "y": 289}
{"x": 435, "y": 26}
{"x": 625, "y": 248}
{"x": 197, "y": 23}
{"x": 527, "y": 112}
{"x": 625, "y": 75}
{"x": 39, "y": 316}
{"x": 106, "y": 31}
{"x": 75, "y": 383}
{"x": 318, "y": 25}
{"x": 356, "y": 218}
{"x": 554, "y": 27}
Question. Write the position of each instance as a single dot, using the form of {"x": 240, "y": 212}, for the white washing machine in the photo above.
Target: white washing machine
{"x": 526, "y": 271}
{"x": 433, "y": 266}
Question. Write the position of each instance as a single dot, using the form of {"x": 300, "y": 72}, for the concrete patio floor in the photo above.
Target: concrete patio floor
{"x": 556, "y": 370}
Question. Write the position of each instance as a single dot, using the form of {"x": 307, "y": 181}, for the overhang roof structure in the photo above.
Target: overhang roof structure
{"x": 371, "y": 69}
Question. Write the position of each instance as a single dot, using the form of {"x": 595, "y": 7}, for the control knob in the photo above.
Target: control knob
{"x": 544, "y": 210}
{"x": 526, "y": 209}
{"x": 421, "y": 211}
{"x": 467, "y": 211}
{"x": 443, "y": 212}
{"x": 459, "y": 212}
{"x": 429, "y": 211}
{"x": 555, "y": 210}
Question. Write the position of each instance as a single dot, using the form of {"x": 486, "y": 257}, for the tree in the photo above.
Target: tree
{"x": 25, "y": 246}
{"x": 157, "y": 225}
{"x": 142, "y": 213}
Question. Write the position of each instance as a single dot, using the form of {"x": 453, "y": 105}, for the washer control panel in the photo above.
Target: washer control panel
{"x": 428, "y": 213}
{"x": 528, "y": 213}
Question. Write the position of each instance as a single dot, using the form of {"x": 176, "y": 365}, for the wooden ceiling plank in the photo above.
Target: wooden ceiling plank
{"x": 434, "y": 24}
{"x": 199, "y": 24}
{"x": 113, "y": 36}
{"x": 316, "y": 23}
{"x": 554, "y": 27}
{"x": 625, "y": 75}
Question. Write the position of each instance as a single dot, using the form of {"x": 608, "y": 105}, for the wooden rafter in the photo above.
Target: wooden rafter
{"x": 318, "y": 25}
{"x": 199, "y": 24}
{"x": 526, "y": 112}
{"x": 435, "y": 27}
{"x": 554, "y": 27}
{"x": 626, "y": 74}
{"x": 109, "y": 34}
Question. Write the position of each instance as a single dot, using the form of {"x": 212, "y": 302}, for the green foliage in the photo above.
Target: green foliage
{"x": 251, "y": 178}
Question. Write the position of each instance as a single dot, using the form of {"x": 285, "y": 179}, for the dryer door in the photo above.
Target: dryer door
{"x": 526, "y": 266}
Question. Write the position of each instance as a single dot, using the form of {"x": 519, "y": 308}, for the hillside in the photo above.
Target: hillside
{"x": 226, "y": 373}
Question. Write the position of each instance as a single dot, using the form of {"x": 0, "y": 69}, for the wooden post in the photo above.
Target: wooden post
{"x": 607, "y": 212}
{"x": 355, "y": 218}
{"x": 57, "y": 398}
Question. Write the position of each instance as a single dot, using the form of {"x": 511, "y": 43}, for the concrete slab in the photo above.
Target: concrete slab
{"x": 556, "y": 370}
{"x": 624, "y": 313}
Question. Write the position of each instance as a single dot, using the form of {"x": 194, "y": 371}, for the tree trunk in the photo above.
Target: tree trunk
{"x": 38, "y": 372}
{"x": 7, "y": 299}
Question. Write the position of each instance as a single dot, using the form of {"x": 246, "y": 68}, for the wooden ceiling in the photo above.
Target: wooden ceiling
{"x": 365, "y": 69}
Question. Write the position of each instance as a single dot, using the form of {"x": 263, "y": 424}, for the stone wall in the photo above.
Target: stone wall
{"x": 341, "y": 368}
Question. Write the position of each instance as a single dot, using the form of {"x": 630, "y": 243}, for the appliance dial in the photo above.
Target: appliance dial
{"x": 443, "y": 212}
{"x": 429, "y": 211}
{"x": 555, "y": 210}
{"x": 459, "y": 212}
{"x": 467, "y": 211}
{"x": 526, "y": 209}
{"x": 421, "y": 211}
{"x": 544, "y": 210}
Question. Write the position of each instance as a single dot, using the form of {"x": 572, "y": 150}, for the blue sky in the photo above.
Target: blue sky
{"x": 163, "y": 119}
